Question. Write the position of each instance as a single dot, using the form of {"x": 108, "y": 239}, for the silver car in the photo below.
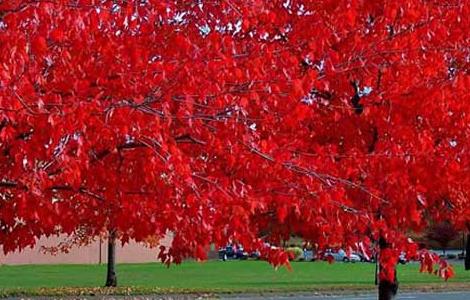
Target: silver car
{"x": 341, "y": 255}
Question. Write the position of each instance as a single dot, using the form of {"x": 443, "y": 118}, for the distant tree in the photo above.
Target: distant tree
{"x": 442, "y": 233}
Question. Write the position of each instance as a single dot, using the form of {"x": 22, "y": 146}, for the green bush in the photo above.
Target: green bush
{"x": 294, "y": 252}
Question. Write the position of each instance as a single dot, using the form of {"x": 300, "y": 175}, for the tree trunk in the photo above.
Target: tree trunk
{"x": 387, "y": 289}
{"x": 467, "y": 253}
{"x": 111, "y": 278}
{"x": 376, "y": 281}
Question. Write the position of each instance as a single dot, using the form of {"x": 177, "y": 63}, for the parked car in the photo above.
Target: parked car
{"x": 402, "y": 258}
{"x": 240, "y": 253}
{"x": 340, "y": 255}
{"x": 308, "y": 255}
{"x": 232, "y": 252}
{"x": 255, "y": 254}
{"x": 364, "y": 258}
{"x": 226, "y": 253}
{"x": 451, "y": 256}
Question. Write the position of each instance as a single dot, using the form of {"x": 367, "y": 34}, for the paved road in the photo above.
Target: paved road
{"x": 403, "y": 296}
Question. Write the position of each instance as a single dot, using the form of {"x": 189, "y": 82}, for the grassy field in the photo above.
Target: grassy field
{"x": 210, "y": 277}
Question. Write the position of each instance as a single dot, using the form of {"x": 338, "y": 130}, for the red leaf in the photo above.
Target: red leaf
{"x": 39, "y": 44}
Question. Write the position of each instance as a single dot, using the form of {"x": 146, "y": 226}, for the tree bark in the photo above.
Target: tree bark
{"x": 376, "y": 281}
{"x": 111, "y": 278}
{"x": 467, "y": 253}
{"x": 387, "y": 289}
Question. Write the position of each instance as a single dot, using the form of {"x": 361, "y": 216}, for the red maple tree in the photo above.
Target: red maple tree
{"x": 344, "y": 122}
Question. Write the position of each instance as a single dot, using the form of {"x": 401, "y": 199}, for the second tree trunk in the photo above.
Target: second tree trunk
{"x": 467, "y": 253}
{"x": 111, "y": 278}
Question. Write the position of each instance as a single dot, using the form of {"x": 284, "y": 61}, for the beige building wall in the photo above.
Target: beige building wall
{"x": 90, "y": 254}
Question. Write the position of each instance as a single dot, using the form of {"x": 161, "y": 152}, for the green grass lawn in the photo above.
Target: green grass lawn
{"x": 211, "y": 277}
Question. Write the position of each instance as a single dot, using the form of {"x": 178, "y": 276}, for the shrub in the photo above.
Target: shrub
{"x": 294, "y": 252}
